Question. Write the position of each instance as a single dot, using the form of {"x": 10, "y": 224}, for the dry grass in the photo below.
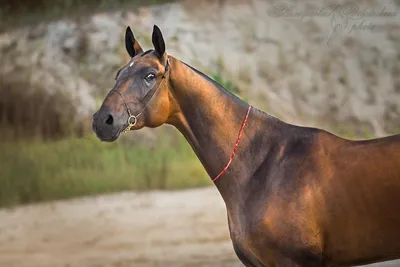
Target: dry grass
{"x": 38, "y": 114}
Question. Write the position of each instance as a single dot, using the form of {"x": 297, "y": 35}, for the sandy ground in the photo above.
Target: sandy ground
{"x": 185, "y": 228}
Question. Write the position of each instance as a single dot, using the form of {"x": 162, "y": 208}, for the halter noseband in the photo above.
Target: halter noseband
{"x": 132, "y": 119}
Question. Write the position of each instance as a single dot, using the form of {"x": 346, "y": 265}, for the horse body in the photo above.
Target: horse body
{"x": 319, "y": 200}
{"x": 295, "y": 196}
{"x": 323, "y": 201}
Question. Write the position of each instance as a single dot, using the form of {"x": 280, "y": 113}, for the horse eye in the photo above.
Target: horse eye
{"x": 150, "y": 77}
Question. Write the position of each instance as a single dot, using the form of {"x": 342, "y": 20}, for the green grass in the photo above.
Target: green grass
{"x": 218, "y": 77}
{"x": 32, "y": 171}
{"x": 227, "y": 84}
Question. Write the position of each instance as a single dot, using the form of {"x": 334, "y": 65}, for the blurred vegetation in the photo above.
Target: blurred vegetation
{"x": 32, "y": 171}
{"x": 27, "y": 112}
{"x": 227, "y": 84}
{"x": 219, "y": 74}
{"x": 16, "y": 13}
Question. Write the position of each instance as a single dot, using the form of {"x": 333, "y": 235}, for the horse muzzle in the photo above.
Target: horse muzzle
{"x": 106, "y": 126}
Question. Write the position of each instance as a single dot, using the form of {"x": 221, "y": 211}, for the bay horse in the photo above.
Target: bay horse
{"x": 295, "y": 196}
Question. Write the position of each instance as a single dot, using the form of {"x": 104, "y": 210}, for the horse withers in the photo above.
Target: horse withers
{"x": 295, "y": 196}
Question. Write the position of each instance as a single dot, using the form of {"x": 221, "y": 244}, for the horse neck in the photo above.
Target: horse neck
{"x": 210, "y": 119}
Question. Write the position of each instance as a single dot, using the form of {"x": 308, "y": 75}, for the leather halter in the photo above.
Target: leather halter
{"x": 132, "y": 119}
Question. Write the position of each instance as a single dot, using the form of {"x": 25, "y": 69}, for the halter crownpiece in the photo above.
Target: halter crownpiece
{"x": 132, "y": 119}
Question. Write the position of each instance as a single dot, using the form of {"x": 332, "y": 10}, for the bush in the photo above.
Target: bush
{"x": 37, "y": 114}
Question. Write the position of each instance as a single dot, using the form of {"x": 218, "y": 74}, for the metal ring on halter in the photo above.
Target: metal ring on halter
{"x": 131, "y": 124}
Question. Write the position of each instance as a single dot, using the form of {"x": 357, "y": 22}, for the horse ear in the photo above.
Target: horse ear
{"x": 132, "y": 46}
{"x": 158, "y": 41}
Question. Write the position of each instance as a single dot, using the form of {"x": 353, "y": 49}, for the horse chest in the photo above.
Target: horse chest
{"x": 240, "y": 233}
{"x": 250, "y": 250}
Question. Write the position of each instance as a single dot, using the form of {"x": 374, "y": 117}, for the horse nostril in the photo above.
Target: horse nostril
{"x": 109, "y": 120}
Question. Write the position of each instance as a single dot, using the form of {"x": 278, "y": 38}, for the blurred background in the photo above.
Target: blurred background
{"x": 69, "y": 200}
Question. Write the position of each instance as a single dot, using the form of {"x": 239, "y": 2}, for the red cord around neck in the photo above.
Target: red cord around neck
{"x": 236, "y": 145}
